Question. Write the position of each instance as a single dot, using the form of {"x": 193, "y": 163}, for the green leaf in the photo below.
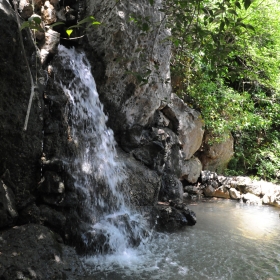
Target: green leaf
{"x": 88, "y": 19}
{"x": 37, "y": 20}
{"x": 152, "y": 2}
{"x": 24, "y": 25}
{"x": 96, "y": 23}
{"x": 233, "y": 12}
{"x": 247, "y": 3}
{"x": 249, "y": 26}
{"x": 74, "y": 26}
{"x": 69, "y": 32}
{"x": 237, "y": 4}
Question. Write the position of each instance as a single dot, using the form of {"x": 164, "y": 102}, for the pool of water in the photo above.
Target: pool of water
{"x": 229, "y": 241}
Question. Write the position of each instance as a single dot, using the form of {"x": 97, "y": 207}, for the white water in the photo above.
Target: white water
{"x": 97, "y": 172}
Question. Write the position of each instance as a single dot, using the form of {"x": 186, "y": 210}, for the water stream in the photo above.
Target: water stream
{"x": 231, "y": 241}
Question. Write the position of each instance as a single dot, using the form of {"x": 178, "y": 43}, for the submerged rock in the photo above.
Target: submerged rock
{"x": 172, "y": 216}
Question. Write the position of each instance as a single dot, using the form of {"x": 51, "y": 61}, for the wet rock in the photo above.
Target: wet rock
{"x": 191, "y": 170}
{"x": 29, "y": 214}
{"x": 215, "y": 156}
{"x": 8, "y": 212}
{"x": 51, "y": 183}
{"x": 171, "y": 189}
{"x": 172, "y": 216}
{"x": 52, "y": 218}
{"x": 148, "y": 153}
{"x": 53, "y": 164}
{"x": 187, "y": 123}
{"x": 33, "y": 252}
{"x": 142, "y": 182}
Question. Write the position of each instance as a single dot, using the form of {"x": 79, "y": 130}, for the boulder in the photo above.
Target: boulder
{"x": 29, "y": 214}
{"x": 143, "y": 184}
{"x": 171, "y": 189}
{"x": 191, "y": 170}
{"x": 52, "y": 218}
{"x": 187, "y": 123}
{"x": 250, "y": 198}
{"x": 171, "y": 217}
{"x": 216, "y": 153}
{"x": 221, "y": 192}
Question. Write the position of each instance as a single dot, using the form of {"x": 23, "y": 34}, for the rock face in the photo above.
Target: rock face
{"x": 19, "y": 150}
{"x": 187, "y": 123}
{"x": 34, "y": 252}
{"x": 125, "y": 48}
{"x": 215, "y": 156}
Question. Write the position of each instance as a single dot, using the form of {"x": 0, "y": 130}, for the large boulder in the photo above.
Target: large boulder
{"x": 191, "y": 170}
{"x": 187, "y": 123}
{"x": 142, "y": 183}
{"x": 136, "y": 79}
{"x": 216, "y": 153}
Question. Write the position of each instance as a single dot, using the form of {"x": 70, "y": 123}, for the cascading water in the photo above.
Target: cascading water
{"x": 97, "y": 173}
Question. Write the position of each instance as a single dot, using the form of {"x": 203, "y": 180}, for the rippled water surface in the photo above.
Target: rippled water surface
{"x": 229, "y": 241}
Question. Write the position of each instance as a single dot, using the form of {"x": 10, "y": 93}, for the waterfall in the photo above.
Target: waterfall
{"x": 97, "y": 172}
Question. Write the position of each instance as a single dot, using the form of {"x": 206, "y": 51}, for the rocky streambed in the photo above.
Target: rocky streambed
{"x": 255, "y": 192}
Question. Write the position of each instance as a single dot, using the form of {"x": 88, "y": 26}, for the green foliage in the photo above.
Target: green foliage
{"x": 225, "y": 63}
{"x": 34, "y": 23}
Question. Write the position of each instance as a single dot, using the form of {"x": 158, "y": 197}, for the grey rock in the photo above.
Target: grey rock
{"x": 215, "y": 156}
{"x": 143, "y": 184}
{"x": 117, "y": 41}
{"x": 187, "y": 123}
{"x": 171, "y": 189}
{"x": 191, "y": 170}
